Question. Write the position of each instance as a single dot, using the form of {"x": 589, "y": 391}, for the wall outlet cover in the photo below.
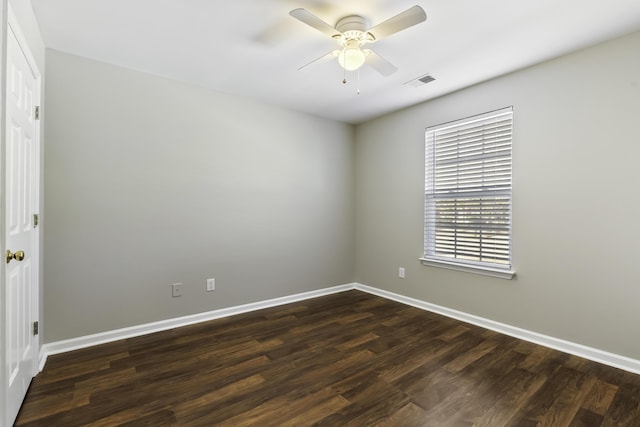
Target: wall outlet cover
{"x": 176, "y": 290}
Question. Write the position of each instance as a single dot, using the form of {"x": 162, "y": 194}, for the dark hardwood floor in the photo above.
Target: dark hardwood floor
{"x": 348, "y": 359}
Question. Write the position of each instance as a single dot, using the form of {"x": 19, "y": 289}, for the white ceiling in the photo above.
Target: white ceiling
{"x": 253, "y": 48}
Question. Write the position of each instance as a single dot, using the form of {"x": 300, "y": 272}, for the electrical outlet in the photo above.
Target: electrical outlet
{"x": 211, "y": 285}
{"x": 401, "y": 272}
{"x": 176, "y": 290}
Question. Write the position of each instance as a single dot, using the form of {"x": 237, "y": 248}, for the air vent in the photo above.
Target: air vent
{"x": 422, "y": 80}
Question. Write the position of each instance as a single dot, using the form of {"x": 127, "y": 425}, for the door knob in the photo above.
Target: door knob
{"x": 18, "y": 256}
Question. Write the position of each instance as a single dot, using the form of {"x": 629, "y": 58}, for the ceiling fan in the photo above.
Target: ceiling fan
{"x": 353, "y": 32}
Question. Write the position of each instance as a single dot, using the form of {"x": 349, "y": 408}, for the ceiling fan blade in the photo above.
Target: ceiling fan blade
{"x": 323, "y": 58}
{"x": 379, "y": 64}
{"x": 313, "y": 21}
{"x": 401, "y": 21}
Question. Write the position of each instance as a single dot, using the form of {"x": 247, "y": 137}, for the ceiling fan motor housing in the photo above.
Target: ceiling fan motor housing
{"x": 353, "y": 27}
{"x": 352, "y": 23}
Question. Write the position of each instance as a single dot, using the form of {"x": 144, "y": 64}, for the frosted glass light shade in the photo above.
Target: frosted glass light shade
{"x": 351, "y": 57}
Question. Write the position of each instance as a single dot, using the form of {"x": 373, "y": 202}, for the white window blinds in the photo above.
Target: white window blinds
{"x": 468, "y": 191}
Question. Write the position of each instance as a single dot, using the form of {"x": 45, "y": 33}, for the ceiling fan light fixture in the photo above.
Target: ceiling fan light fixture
{"x": 351, "y": 57}
{"x": 353, "y": 32}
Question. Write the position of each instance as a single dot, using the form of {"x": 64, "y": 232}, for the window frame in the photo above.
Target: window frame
{"x": 434, "y": 192}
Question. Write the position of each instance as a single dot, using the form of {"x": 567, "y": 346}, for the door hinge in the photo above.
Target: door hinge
{"x": 35, "y": 220}
{"x": 36, "y": 327}
{"x": 37, "y": 112}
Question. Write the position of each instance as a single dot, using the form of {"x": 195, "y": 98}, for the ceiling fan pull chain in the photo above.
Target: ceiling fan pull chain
{"x": 358, "y": 84}
{"x": 344, "y": 76}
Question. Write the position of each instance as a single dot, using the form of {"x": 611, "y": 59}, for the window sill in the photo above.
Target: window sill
{"x": 486, "y": 271}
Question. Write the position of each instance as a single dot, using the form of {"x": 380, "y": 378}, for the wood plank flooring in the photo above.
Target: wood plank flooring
{"x": 348, "y": 359}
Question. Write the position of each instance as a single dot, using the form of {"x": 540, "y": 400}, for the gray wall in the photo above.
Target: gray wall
{"x": 575, "y": 202}
{"x": 151, "y": 182}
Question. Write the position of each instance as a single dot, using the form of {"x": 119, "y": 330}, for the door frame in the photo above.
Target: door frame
{"x": 9, "y": 23}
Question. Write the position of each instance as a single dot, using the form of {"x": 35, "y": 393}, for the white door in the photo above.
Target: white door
{"x": 21, "y": 235}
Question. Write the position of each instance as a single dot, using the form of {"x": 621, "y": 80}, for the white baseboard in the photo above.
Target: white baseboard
{"x": 163, "y": 325}
{"x": 611, "y": 359}
{"x": 590, "y": 353}
{"x": 42, "y": 358}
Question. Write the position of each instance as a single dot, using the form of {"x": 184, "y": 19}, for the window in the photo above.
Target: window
{"x": 468, "y": 194}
